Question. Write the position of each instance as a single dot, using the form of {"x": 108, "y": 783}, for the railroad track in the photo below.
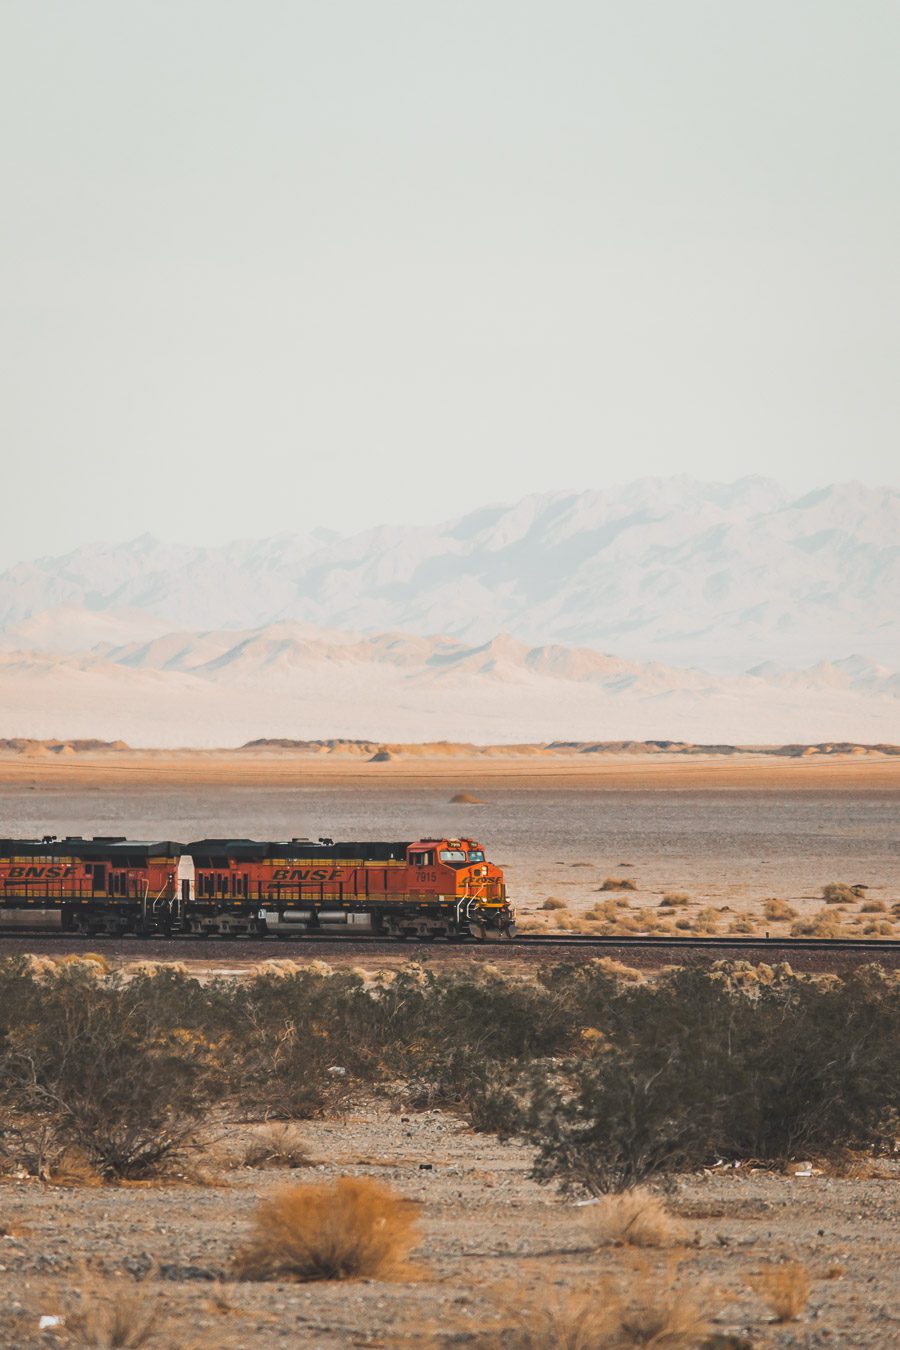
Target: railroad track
{"x": 754, "y": 944}
{"x": 193, "y": 946}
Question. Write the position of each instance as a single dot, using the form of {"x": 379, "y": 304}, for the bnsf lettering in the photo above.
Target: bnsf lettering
{"x": 20, "y": 873}
{"x": 306, "y": 874}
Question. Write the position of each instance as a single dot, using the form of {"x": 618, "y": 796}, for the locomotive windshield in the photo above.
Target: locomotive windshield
{"x": 476, "y": 855}
{"x": 456, "y": 857}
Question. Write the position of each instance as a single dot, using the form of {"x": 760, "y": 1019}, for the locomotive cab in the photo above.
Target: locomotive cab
{"x": 459, "y": 871}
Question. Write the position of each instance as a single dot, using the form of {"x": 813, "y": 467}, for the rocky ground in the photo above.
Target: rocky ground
{"x": 491, "y": 1242}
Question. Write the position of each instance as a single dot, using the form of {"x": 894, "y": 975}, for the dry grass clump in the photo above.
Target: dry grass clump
{"x": 873, "y": 907}
{"x": 353, "y": 1229}
{"x": 784, "y": 1288}
{"x": 836, "y": 893}
{"x": 618, "y": 884}
{"x": 668, "y": 1320}
{"x": 879, "y": 928}
{"x": 743, "y": 924}
{"x": 778, "y": 911}
{"x": 276, "y": 1145}
{"x": 655, "y": 1314}
{"x": 675, "y": 898}
{"x": 706, "y": 921}
{"x": 823, "y": 925}
{"x": 636, "y": 1218}
{"x": 108, "y": 1316}
{"x": 553, "y": 903}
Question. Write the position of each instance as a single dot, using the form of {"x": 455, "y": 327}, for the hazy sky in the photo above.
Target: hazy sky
{"x": 274, "y": 264}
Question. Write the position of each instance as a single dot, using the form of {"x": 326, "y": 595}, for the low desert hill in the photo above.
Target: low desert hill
{"x": 221, "y": 687}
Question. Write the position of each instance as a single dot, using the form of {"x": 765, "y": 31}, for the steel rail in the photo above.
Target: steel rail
{"x": 811, "y": 944}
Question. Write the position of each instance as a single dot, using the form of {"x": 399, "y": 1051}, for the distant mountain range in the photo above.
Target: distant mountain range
{"x": 735, "y": 613}
{"x": 222, "y": 687}
{"x": 721, "y": 576}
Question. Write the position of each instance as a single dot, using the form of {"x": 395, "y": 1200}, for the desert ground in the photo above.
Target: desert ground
{"x": 491, "y": 1243}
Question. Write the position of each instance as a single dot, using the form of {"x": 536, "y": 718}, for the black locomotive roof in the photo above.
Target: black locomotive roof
{"x": 217, "y": 852}
{"x": 101, "y": 848}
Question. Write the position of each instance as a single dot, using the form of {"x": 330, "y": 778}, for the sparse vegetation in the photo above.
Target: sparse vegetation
{"x": 612, "y": 1077}
{"x": 553, "y": 903}
{"x": 354, "y": 1229}
{"x": 784, "y": 1289}
{"x": 618, "y": 884}
{"x": 675, "y": 899}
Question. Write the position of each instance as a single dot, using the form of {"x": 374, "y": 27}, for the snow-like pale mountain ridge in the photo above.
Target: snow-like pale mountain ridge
{"x": 722, "y": 576}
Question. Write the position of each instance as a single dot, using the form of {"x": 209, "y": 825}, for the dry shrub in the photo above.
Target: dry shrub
{"x": 552, "y": 903}
{"x": 784, "y": 1289}
{"x": 637, "y": 1217}
{"x": 706, "y": 920}
{"x": 607, "y": 965}
{"x": 779, "y": 911}
{"x": 353, "y": 1229}
{"x": 662, "y": 1318}
{"x": 684, "y": 924}
{"x": 654, "y": 1314}
{"x": 675, "y": 899}
{"x": 108, "y": 1316}
{"x": 743, "y": 924}
{"x": 873, "y": 907}
{"x": 579, "y": 1322}
{"x": 878, "y": 928}
{"x": 822, "y": 925}
{"x": 618, "y": 884}
{"x": 836, "y": 893}
{"x": 277, "y": 1145}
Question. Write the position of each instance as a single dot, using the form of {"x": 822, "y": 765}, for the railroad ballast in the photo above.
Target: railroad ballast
{"x": 427, "y": 888}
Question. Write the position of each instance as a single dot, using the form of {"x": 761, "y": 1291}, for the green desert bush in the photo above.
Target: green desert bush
{"x": 89, "y": 1066}
{"x": 698, "y": 1067}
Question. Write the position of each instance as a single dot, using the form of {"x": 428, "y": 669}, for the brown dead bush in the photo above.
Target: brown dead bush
{"x": 743, "y": 924}
{"x": 836, "y": 893}
{"x": 580, "y": 1322}
{"x": 779, "y": 911}
{"x": 675, "y": 899}
{"x": 353, "y": 1229}
{"x": 552, "y": 903}
{"x": 654, "y": 1314}
{"x": 276, "y": 1145}
{"x": 822, "y": 924}
{"x": 784, "y": 1289}
{"x": 108, "y": 1316}
{"x": 873, "y": 907}
{"x": 618, "y": 884}
{"x": 636, "y": 1218}
{"x": 662, "y": 1318}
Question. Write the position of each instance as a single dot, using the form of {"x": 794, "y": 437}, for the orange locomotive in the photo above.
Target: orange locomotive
{"x": 427, "y": 889}
{"x": 108, "y": 884}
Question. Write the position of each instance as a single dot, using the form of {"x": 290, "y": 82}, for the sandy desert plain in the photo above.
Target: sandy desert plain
{"x": 725, "y": 834}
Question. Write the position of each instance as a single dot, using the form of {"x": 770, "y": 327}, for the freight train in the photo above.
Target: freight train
{"x": 110, "y": 885}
